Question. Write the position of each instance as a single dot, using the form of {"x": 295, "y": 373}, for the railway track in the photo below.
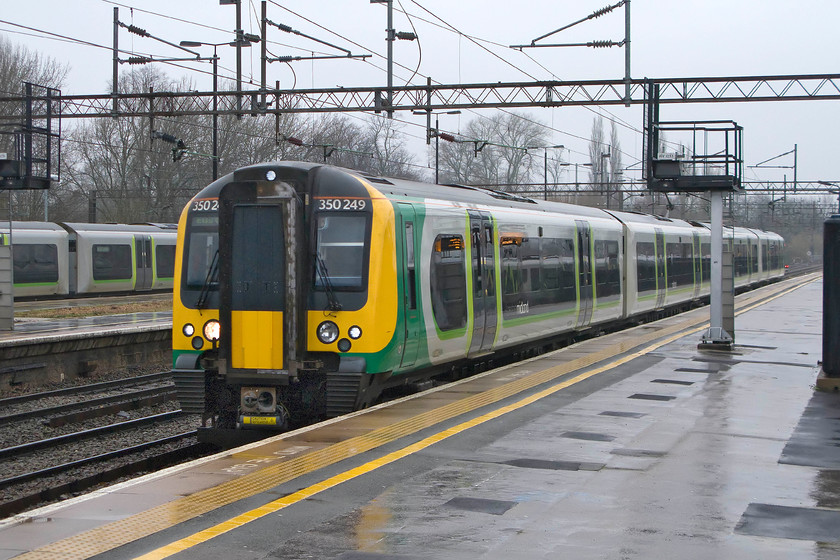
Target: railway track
{"x": 117, "y": 395}
{"x": 59, "y": 443}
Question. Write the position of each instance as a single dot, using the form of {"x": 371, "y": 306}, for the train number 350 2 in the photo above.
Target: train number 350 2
{"x": 341, "y": 204}
{"x": 206, "y": 205}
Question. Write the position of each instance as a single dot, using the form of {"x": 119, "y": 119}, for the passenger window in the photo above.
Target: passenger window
{"x": 112, "y": 262}
{"x": 409, "y": 264}
{"x": 607, "y": 273}
{"x": 645, "y": 266}
{"x": 36, "y": 263}
{"x": 165, "y": 261}
{"x": 448, "y": 282}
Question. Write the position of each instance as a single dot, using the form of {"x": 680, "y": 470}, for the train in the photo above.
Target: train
{"x": 66, "y": 259}
{"x": 305, "y": 290}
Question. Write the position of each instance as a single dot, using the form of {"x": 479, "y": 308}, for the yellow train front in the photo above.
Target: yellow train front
{"x": 281, "y": 309}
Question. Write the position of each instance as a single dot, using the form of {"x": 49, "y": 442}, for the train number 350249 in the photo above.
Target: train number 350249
{"x": 341, "y": 204}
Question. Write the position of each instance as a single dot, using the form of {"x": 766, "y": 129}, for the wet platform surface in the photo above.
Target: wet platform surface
{"x": 634, "y": 445}
{"x": 37, "y": 330}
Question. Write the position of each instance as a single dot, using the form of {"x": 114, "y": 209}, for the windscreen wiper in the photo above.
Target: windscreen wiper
{"x": 332, "y": 301}
{"x": 212, "y": 276}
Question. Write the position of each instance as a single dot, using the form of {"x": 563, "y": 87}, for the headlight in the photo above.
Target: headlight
{"x": 188, "y": 330}
{"x": 327, "y": 332}
{"x": 212, "y": 330}
{"x": 344, "y": 345}
{"x": 355, "y": 332}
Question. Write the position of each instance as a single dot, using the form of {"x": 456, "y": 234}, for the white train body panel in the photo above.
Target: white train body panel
{"x": 41, "y": 259}
{"x": 61, "y": 259}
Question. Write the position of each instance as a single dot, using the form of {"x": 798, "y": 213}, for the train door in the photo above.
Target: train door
{"x": 73, "y": 264}
{"x": 697, "y": 259}
{"x": 257, "y": 287}
{"x": 484, "y": 283}
{"x": 585, "y": 284}
{"x": 661, "y": 273}
{"x": 143, "y": 262}
{"x": 411, "y": 316}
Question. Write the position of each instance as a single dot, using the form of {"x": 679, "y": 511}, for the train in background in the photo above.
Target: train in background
{"x": 305, "y": 290}
{"x": 77, "y": 259}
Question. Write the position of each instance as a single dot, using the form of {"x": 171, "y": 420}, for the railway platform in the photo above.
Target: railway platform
{"x": 38, "y": 330}
{"x": 39, "y": 350}
{"x": 631, "y": 445}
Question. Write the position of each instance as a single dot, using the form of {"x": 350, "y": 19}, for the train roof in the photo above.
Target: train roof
{"x": 42, "y": 226}
{"x": 394, "y": 187}
{"x": 79, "y": 226}
{"x": 126, "y": 228}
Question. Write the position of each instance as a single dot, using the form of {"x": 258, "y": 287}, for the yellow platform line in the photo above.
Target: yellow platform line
{"x": 129, "y": 529}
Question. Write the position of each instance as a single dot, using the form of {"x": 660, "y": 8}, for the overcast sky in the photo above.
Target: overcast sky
{"x": 466, "y": 42}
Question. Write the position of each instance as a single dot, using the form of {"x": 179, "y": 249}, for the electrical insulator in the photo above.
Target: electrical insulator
{"x": 293, "y": 140}
{"x": 601, "y": 44}
{"x": 139, "y": 60}
{"x": 138, "y": 31}
{"x": 447, "y": 137}
{"x": 406, "y": 35}
{"x": 603, "y": 11}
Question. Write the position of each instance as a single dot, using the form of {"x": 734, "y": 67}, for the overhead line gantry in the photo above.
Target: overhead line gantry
{"x": 804, "y": 87}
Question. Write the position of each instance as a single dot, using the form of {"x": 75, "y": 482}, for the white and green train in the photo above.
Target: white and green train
{"x": 65, "y": 259}
{"x": 305, "y": 290}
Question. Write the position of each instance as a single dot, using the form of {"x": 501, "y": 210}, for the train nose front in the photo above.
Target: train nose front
{"x": 257, "y": 282}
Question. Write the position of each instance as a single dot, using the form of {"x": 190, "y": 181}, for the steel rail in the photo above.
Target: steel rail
{"x": 79, "y": 485}
{"x": 85, "y": 434}
{"x": 92, "y": 403}
{"x": 90, "y": 388}
{"x": 50, "y": 471}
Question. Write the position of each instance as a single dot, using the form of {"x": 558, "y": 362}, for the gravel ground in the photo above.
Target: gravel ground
{"x": 17, "y": 433}
{"x": 131, "y": 371}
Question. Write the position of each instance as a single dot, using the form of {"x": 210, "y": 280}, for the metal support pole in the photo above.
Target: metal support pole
{"x": 717, "y": 260}
{"x": 264, "y": 54}
{"x": 390, "y": 39}
{"x": 545, "y": 177}
{"x": 116, "y": 70}
{"x": 716, "y": 335}
{"x": 428, "y": 110}
{"x": 92, "y": 207}
{"x": 437, "y": 150}
{"x": 215, "y": 115}
{"x": 627, "y": 53}
{"x": 239, "y": 39}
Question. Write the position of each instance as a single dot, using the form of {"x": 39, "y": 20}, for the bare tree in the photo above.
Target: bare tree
{"x": 494, "y": 151}
{"x": 597, "y": 150}
{"x": 389, "y": 156}
{"x": 616, "y": 171}
{"x": 131, "y": 176}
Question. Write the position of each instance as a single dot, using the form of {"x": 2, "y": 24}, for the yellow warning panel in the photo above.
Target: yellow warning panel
{"x": 257, "y": 339}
